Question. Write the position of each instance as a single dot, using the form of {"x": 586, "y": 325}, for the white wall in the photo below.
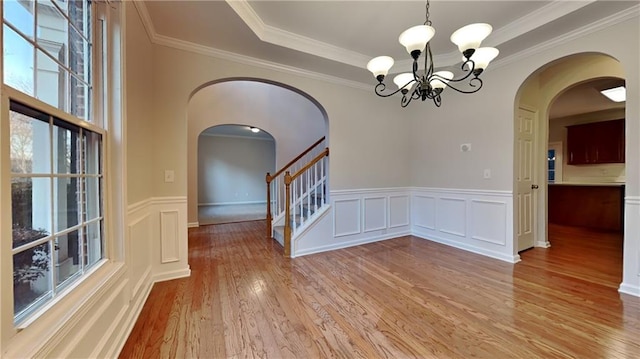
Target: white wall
{"x": 606, "y": 172}
{"x": 231, "y": 170}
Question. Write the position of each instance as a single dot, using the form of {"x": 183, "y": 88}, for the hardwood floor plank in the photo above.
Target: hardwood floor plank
{"x": 401, "y": 298}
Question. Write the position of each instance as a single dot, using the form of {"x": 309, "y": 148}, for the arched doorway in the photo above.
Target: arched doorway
{"x": 293, "y": 118}
{"x": 533, "y": 106}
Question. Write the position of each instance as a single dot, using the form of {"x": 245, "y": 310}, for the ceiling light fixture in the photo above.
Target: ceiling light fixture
{"x": 616, "y": 94}
{"x": 426, "y": 83}
{"x": 254, "y": 129}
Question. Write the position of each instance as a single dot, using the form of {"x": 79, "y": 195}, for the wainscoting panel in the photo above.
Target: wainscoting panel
{"x": 375, "y": 213}
{"x": 488, "y": 221}
{"x": 399, "y": 211}
{"x": 138, "y": 254}
{"x": 169, "y": 236}
{"x": 346, "y": 217}
{"x": 358, "y": 217}
{"x": 423, "y": 211}
{"x": 451, "y": 216}
{"x": 473, "y": 220}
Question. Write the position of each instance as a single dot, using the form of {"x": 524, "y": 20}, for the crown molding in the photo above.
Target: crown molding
{"x": 535, "y": 19}
{"x": 601, "y": 24}
{"x": 277, "y": 36}
{"x": 230, "y": 56}
{"x": 252, "y": 61}
{"x": 141, "y": 7}
{"x": 531, "y": 21}
{"x": 442, "y": 60}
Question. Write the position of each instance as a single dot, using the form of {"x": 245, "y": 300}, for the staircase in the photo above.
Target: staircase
{"x": 297, "y": 195}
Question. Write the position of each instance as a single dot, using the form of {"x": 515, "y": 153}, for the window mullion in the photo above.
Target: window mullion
{"x": 51, "y": 242}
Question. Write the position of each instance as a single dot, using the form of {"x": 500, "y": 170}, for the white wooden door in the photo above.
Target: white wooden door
{"x": 525, "y": 166}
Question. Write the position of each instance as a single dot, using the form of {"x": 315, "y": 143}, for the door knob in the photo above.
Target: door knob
{"x": 534, "y": 186}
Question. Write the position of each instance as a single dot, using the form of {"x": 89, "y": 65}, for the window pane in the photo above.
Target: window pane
{"x": 92, "y": 143}
{"x": 52, "y": 33}
{"x": 18, "y": 62}
{"x": 93, "y": 243}
{"x": 93, "y": 190}
{"x": 51, "y": 82}
{"x": 66, "y": 155}
{"x": 79, "y": 51}
{"x": 31, "y": 209}
{"x": 66, "y": 199}
{"x": 63, "y": 4}
{"x": 79, "y": 15}
{"x": 31, "y": 277}
{"x": 20, "y": 15}
{"x": 67, "y": 256}
{"x": 29, "y": 140}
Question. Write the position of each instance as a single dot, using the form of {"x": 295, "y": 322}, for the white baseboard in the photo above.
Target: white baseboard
{"x": 348, "y": 244}
{"x": 629, "y": 289}
{"x": 543, "y": 244}
{"x": 470, "y": 248}
{"x": 232, "y": 203}
{"x": 177, "y": 274}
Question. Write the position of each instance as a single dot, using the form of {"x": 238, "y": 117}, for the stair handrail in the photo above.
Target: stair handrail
{"x": 269, "y": 178}
{"x": 322, "y": 154}
{"x": 288, "y": 178}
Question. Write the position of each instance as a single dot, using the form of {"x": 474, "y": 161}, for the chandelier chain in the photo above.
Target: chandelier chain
{"x": 427, "y": 21}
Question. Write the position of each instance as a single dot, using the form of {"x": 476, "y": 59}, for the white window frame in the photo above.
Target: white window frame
{"x": 43, "y": 327}
{"x": 559, "y": 162}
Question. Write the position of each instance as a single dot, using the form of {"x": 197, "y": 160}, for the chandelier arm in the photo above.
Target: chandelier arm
{"x": 468, "y": 72}
{"x": 405, "y": 100}
{"x": 428, "y": 71}
{"x": 476, "y": 87}
{"x": 437, "y": 100}
{"x": 416, "y": 93}
{"x": 380, "y": 87}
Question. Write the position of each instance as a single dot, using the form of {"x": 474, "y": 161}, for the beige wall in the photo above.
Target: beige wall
{"x": 486, "y": 118}
{"x": 367, "y": 135}
{"x": 139, "y": 107}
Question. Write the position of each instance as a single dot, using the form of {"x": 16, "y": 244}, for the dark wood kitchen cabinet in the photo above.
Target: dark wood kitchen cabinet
{"x": 598, "y": 206}
{"x": 597, "y": 142}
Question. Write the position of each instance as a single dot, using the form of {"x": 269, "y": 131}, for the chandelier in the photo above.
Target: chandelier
{"x": 426, "y": 83}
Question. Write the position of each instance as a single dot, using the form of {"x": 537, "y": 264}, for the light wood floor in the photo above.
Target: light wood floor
{"x": 400, "y": 298}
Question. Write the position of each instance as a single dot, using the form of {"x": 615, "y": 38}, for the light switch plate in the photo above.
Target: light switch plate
{"x": 169, "y": 176}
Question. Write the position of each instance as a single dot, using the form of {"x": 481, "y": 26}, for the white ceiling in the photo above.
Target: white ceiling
{"x": 337, "y": 38}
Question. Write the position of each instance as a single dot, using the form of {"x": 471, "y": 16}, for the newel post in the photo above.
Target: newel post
{"x": 287, "y": 215}
{"x": 269, "y": 218}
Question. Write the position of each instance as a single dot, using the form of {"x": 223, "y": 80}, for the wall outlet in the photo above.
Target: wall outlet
{"x": 465, "y": 147}
{"x": 169, "y": 176}
{"x": 487, "y": 173}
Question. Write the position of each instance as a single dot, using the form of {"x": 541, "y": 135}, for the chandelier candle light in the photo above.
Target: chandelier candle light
{"x": 427, "y": 84}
